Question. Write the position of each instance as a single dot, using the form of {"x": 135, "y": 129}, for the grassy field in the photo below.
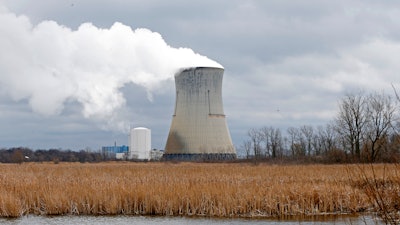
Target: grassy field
{"x": 188, "y": 189}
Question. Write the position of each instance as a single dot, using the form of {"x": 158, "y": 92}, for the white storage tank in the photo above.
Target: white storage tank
{"x": 140, "y": 143}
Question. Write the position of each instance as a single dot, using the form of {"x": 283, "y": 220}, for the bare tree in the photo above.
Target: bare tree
{"x": 380, "y": 113}
{"x": 266, "y": 140}
{"x": 273, "y": 142}
{"x": 395, "y": 93}
{"x": 328, "y": 138}
{"x": 276, "y": 142}
{"x": 247, "y": 146}
{"x": 292, "y": 139}
{"x": 307, "y": 133}
{"x": 397, "y": 120}
{"x": 256, "y": 139}
{"x": 351, "y": 121}
{"x": 318, "y": 141}
{"x": 297, "y": 142}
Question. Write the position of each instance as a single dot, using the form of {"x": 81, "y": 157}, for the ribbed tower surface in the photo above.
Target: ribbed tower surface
{"x": 199, "y": 130}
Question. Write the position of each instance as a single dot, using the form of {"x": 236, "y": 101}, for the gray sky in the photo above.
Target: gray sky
{"x": 287, "y": 63}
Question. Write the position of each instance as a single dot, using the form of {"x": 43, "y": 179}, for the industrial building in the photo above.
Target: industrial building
{"x": 199, "y": 130}
{"x": 119, "y": 152}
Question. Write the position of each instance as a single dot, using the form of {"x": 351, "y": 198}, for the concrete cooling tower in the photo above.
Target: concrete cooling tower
{"x": 199, "y": 130}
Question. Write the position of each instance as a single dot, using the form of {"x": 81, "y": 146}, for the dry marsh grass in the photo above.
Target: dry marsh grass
{"x": 183, "y": 189}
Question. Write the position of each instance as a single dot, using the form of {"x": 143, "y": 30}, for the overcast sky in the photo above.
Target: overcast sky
{"x": 69, "y": 78}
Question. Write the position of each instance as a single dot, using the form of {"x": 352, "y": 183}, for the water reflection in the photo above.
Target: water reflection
{"x": 140, "y": 220}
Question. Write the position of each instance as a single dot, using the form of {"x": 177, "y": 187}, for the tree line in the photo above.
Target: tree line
{"x": 20, "y": 155}
{"x": 365, "y": 129}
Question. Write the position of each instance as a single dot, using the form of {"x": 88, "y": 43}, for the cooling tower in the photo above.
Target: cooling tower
{"x": 199, "y": 130}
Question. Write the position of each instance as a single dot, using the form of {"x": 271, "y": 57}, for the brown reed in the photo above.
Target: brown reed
{"x": 182, "y": 189}
{"x": 382, "y": 190}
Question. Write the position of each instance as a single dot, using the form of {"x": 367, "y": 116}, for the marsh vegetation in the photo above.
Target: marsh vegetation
{"x": 190, "y": 189}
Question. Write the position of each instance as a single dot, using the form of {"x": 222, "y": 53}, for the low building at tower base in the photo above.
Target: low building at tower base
{"x": 199, "y": 157}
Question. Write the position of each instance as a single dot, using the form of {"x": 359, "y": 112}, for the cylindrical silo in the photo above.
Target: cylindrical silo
{"x": 140, "y": 143}
{"x": 199, "y": 130}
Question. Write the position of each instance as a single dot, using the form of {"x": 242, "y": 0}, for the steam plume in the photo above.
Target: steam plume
{"x": 49, "y": 64}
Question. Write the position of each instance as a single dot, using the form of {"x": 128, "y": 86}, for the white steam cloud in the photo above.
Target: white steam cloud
{"x": 49, "y": 64}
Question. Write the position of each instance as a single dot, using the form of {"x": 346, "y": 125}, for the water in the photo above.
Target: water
{"x": 139, "y": 220}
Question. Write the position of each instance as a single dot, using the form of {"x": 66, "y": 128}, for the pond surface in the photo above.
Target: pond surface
{"x": 139, "y": 220}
